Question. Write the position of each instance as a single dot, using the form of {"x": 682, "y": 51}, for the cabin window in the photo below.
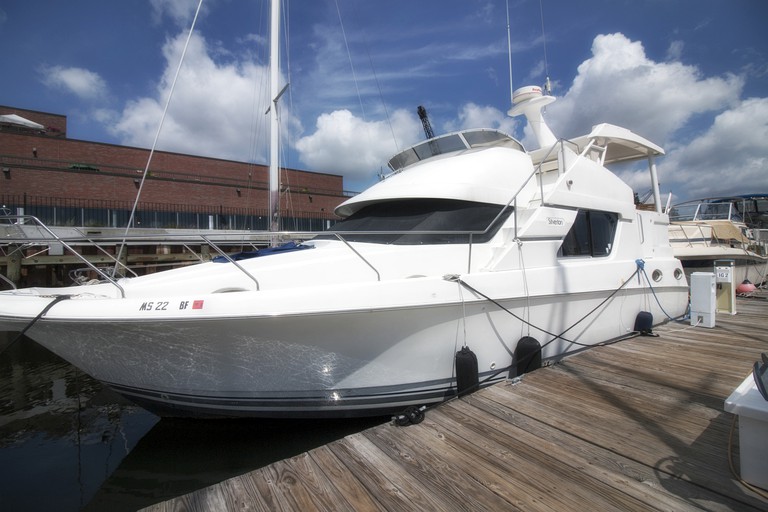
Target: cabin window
{"x": 396, "y": 222}
{"x": 592, "y": 234}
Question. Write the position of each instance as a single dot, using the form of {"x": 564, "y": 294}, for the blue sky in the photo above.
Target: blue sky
{"x": 690, "y": 75}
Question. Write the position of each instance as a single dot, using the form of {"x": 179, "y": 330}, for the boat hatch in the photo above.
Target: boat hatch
{"x": 451, "y": 143}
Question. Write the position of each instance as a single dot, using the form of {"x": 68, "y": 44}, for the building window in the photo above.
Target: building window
{"x": 592, "y": 234}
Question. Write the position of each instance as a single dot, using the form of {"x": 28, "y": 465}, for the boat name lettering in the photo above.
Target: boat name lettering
{"x": 153, "y": 306}
{"x": 555, "y": 221}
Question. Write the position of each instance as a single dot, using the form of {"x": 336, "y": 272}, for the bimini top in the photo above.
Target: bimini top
{"x": 622, "y": 145}
{"x": 451, "y": 143}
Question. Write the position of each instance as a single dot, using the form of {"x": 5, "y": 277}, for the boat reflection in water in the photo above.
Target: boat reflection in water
{"x": 69, "y": 443}
{"x": 61, "y": 432}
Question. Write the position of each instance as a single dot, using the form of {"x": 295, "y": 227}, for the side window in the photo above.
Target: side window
{"x": 592, "y": 234}
{"x": 576, "y": 242}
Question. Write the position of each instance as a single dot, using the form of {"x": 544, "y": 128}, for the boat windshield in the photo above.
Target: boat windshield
{"x": 423, "y": 221}
{"x": 704, "y": 211}
{"x": 450, "y": 143}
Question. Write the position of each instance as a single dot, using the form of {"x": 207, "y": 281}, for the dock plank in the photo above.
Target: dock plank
{"x": 635, "y": 425}
{"x": 436, "y": 468}
{"x": 602, "y": 480}
{"x": 352, "y": 489}
{"x": 384, "y": 478}
{"x": 618, "y": 468}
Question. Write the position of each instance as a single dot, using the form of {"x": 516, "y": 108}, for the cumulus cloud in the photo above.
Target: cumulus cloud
{"x": 83, "y": 83}
{"x": 729, "y": 158}
{"x": 217, "y": 108}
{"x": 619, "y": 84}
{"x": 344, "y": 143}
{"x": 471, "y": 115}
{"x": 714, "y": 140}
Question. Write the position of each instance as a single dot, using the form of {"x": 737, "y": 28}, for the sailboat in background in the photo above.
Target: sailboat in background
{"x": 471, "y": 242}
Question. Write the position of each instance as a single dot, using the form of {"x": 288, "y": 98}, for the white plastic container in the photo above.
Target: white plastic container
{"x": 752, "y": 409}
{"x": 703, "y": 299}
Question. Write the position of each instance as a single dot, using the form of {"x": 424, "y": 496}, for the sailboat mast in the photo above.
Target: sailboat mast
{"x": 274, "y": 135}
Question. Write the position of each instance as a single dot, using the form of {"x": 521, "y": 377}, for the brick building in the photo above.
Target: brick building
{"x": 72, "y": 182}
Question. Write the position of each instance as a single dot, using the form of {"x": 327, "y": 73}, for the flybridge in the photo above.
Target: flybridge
{"x": 451, "y": 143}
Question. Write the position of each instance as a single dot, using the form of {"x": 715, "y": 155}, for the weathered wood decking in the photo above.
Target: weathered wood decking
{"x": 637, "y": 425}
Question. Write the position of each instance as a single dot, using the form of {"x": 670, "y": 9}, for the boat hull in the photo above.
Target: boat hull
{"x": 746, "y": 265}
{"x": 363, "y": 362}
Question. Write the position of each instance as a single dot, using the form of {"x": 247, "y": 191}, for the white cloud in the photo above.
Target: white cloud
{"x": 472, "y": 115}
{"x": 675, "y": 50}
{"x": 343, "y": 143}
{"x": 619, "y": 84}
{"x": 83, "y": 83}
{"x": 671, "y": 104}
{"x": 180, "y": 12}
{"x": 729, "y": 158}
{"x": 217, "y": 109}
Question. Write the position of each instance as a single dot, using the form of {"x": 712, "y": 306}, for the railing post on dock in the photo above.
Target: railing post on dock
{"x": 13, "y": 269}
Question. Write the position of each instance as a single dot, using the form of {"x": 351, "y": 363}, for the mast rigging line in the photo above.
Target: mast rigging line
{"x": 157, "y": 136}
{"x": 260, "y": 90}
{"x": 351, "y": 64}
{"x": 375, "y": 77}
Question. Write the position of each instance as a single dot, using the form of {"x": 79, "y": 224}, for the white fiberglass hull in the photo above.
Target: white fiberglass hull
{"x": 747, "y": 265}
{"x": 470, "y": 241}
{"x": 359, "y": 353}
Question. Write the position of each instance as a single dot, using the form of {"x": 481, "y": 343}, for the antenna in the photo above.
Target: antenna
{"x": 509, "y": 56}
{"x": 425, "y": 122}
{"x": 529, "y": 101}
{"x": 547, "y": 83}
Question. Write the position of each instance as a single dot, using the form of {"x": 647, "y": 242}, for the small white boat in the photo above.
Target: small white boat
{"x": 470, "y": 241}
{"x": 705, "y": 231}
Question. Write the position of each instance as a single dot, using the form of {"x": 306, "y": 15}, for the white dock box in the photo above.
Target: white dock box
{"x": 703, "y": 288}
{"x": 752, "y": 409}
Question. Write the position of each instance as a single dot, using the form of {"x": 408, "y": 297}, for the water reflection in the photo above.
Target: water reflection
{"x": 61, "y": 433}
{"x": 179, "y": 456}
{"x": 69, "y": 443}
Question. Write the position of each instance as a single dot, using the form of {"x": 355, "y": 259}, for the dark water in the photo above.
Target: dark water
{"x": 67, "y": 443}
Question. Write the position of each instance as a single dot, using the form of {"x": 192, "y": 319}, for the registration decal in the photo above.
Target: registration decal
{"x": 154, "y": 306}
{"x": 196, "y": 304}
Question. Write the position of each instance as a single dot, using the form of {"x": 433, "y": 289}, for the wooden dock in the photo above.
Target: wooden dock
{"x": 637, "y": 425}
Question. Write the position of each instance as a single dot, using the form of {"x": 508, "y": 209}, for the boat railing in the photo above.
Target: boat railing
{"x": 696, "y": 228}
{"x": 45, "y": 235}
{"x": 511, "y": 204}
{"x": 708, "y": 235}
{"x": 25, "y": 219}
{"x": 36, "y": 233}
{"x": 539, "y": 171}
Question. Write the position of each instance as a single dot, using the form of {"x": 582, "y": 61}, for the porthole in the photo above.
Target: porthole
{"x": 678, "y": 274}
{"x": 657, "y": 275}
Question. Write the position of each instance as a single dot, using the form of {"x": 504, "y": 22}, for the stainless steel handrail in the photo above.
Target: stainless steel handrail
{"x": 269, "y": 235}
{"x": 58, "y": 239}
{"x": 229, "y": 259}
